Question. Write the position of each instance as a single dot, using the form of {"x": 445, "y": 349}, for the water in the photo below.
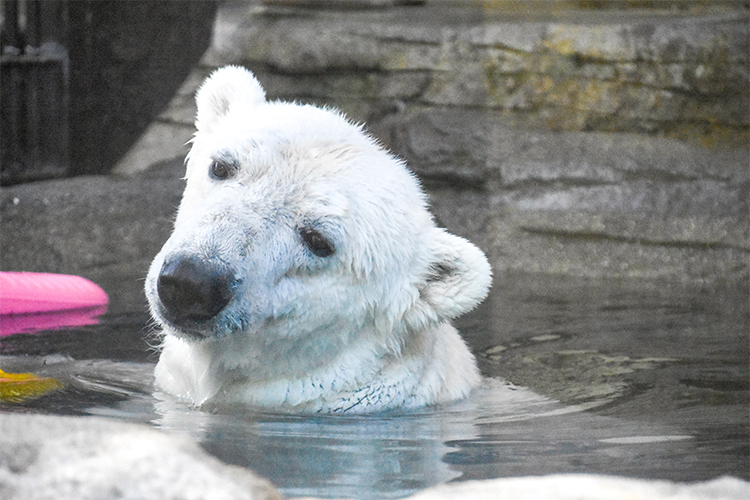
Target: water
{"x": 637, "y": 378}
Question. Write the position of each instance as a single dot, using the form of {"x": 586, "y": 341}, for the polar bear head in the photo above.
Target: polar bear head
{"x": 298, "y": 241}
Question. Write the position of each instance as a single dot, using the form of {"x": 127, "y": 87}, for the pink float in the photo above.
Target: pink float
{"x": 43, "y": 301}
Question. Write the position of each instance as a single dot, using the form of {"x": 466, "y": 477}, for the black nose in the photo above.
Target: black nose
{"x": 192, "y": 290}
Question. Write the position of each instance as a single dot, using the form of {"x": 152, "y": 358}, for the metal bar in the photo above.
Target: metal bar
{"x": 10, "y": 23}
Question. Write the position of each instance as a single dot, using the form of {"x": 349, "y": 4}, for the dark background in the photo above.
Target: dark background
{"x": 82, "y": 79}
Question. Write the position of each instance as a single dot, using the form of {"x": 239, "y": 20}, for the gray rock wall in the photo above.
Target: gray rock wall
{"x": 585, "y": 142}
{"x": 635, "y": 71}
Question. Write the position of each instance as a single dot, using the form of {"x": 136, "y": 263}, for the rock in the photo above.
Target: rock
{"x": 680, "y": 76}
{"x": 65, "y": 458}
{"x": 585, "y": 487}
{"x": 105, "y": 228}
{"x": 677, "y": 75}
{"x": 584, "y": 204}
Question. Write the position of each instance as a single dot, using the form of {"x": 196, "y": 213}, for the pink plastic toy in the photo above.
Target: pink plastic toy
{"x": 42, "y": 301}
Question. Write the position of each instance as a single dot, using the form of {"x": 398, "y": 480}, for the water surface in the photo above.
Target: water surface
{"x": 637, "y": 378}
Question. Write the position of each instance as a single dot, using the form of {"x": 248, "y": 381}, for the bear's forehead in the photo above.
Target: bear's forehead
{"x": 292, "y": 140}
{"x": 306, "y": 156}
{"x": 289, "y": 125}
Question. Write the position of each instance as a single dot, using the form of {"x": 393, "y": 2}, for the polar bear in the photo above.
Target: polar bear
{"x": 305, "y": 272}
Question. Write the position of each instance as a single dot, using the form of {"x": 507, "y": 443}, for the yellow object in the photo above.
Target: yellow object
{"x": 18, "y": 387}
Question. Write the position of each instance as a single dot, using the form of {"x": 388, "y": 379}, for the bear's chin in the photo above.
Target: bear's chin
{"x": 193, "y": 331}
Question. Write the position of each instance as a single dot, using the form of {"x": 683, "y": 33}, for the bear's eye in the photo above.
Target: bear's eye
{"x": 316, "y": 242}
{"x": 220, "y": 170}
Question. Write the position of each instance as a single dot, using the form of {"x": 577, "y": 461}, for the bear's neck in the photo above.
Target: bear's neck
{"x": 431, "y": 366}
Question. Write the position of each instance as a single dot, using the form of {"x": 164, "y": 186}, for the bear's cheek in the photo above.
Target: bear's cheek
{"x": 316, "y": 301}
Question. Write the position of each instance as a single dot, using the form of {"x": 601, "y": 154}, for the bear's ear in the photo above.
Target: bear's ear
{"x": 225, "y": 88}
{"x": 459, "y": 276}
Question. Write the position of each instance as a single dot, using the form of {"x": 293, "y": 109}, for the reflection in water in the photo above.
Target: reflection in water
{"x": 502, "y": 430}
{"x": 638, "y": 379}
{"x": 11, "y": 324}
{"x": 19, "y": 387}
{"x": 31, "y": 302}
{"x": 386, "y": 455}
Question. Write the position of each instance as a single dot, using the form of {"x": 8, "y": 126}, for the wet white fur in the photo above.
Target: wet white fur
{"x": 366, "y": 329}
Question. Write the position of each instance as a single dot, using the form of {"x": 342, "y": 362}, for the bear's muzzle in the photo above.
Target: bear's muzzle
{"x": 192, "y": 291}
